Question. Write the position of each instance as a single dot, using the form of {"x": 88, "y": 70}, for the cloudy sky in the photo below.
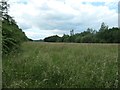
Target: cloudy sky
{"x": 42, "y": 18}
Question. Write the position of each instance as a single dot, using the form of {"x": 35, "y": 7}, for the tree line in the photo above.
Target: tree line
{"x": 103, "y": 35}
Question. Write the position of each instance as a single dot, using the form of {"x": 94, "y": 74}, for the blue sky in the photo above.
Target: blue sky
{"x": 42, "y": 18}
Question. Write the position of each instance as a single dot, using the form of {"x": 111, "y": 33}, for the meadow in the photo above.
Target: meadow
{"x": 62, "y": 65}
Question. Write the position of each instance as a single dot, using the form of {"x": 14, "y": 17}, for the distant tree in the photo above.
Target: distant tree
{"x": 78, "y": 39}
{"x": 103, "y": 27}
{"x": 114, "y": 35}
{"x": 65, "y": 38}
{"x": 104, "y": 35}
{"x": 72, "y": 38}
{"x": 54, "y": 38}
{"x": 87, "y": 39}
{"x": 71, "y": 32}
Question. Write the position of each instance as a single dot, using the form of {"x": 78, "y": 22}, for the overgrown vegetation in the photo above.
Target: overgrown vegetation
{"x": 104, "y": 35}
{"x": 12, "y": 35}
{"x": 62, "y": 65}
{"x": 59, "y": 65}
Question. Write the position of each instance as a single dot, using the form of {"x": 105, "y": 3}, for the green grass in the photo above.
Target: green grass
{"x": 62, "y": 65}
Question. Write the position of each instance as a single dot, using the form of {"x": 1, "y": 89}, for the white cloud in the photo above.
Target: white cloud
{"x": 41, "y": 18}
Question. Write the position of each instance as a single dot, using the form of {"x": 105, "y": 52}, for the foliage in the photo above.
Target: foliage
{"x": 104, "y": 35}
{"x": 62, "y": 65}
{"x": 54, "y": 38}
{"x": 12, "y": 35}
{"x": 87, "y": 39}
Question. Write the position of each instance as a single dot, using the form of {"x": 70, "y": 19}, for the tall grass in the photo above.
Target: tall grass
{"x": 62, "y": 65}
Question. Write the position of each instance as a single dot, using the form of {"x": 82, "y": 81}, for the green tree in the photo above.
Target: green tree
{"x": 78, "y": 39}
{"x": 54, "y": 38}
{"x": 103, "y": 35}
{"x": 87, "y": 39}
{"x": 103, "y": 27}
{"x": 65, "y": 38}
{"x": 12, "y": 35}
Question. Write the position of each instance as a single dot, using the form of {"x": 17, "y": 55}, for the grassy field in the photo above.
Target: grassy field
{"x": 62, "y": 65}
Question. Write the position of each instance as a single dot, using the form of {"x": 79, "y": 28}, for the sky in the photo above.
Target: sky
{"x": 43, "y": 18}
